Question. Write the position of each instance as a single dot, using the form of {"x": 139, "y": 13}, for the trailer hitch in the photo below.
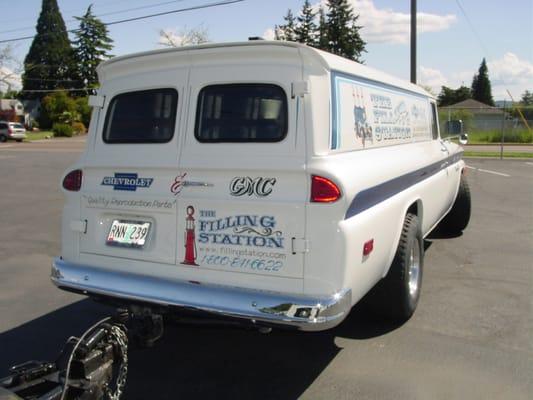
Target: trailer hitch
{"x": 91, "y": 367}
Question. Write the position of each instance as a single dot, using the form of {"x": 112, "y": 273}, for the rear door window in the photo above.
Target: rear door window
{"x": 146, "y": 116}
{"x": 241, "y": 113}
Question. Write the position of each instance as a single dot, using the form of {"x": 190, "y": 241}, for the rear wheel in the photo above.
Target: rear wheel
{"x": 396, "y": 296}
{"x": 3, "y": 138}
{"x": 457, "y": 219}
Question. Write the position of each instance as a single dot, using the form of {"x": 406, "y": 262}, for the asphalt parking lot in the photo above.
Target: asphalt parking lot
{"x": 471, "y": 337}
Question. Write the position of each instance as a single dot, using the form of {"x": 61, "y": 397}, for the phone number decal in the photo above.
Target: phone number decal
{"x": 243, "y": 263}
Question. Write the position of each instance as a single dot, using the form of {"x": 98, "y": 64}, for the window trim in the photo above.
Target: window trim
{"x": 174, "y": 109}
{"x": 435, "y": 131}
{"x": 244, "y": 84}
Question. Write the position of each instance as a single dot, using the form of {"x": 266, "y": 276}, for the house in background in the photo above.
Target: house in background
{"x": 33, "y": 111}
{"x": 11, "y": 110}
{"x": 484, "y": 117}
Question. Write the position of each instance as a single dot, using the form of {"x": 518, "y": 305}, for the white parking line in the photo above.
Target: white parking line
{"x": 493, "y": 172}
{"x": 5, "y": 146}
{"x": 488, "y": 171}
{"x": 529, "y": 163}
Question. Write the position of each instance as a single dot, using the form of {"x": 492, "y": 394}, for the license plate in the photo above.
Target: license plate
{"x": 128, "y": 233}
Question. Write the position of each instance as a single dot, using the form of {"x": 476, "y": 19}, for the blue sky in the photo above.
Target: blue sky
{"x": 450, "y": 48}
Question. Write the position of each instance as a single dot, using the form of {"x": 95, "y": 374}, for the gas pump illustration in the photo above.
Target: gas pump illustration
{"x": 190, "y": 238}
{"x": 363, "y": 130}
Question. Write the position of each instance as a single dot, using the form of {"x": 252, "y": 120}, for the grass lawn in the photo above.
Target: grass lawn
{"x": 495, "y": 136}
{"x": 496, "y": 154}
{"x": 30, "y": 136}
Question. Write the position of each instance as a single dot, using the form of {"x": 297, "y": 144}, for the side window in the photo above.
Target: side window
{"x": 3, "y": 126}
{"x": 147, "y": 116}
{"x": 241, "y": 113}
{"x": 434, "y": 122}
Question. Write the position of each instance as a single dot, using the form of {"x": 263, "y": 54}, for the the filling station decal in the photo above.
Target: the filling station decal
{"x": 240, "y": 242}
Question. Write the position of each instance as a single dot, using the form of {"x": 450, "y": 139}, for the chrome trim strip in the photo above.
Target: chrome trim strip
{"x": 307, "y": 313}
{"x": 197, "y": 184}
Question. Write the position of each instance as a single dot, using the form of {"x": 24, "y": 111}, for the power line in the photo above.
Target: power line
{"x": 103, "y": 15}
{"x": 122, "y": 21}
{"x": 54, "y": 90}
{"x": 478, "y": 37}
{"x": 474, "y": 31}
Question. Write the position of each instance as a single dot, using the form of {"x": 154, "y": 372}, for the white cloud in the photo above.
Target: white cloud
{"x": 9, "y": 79}
{"x": 510, "y": 73}
{"x": 432, "y": 78}
{"x": 269, "y": 34}
{"x": 510, "y": 70}
{"x": 506, "y": 73}
{"x": 384, "y": 25}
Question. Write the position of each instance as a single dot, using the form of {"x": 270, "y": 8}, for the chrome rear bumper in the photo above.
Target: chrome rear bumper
{"x": 307, "y": 313}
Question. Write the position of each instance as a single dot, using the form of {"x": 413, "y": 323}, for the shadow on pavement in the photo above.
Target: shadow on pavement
{"x": 440, "y": 233}
{"x": 199, "y": 362}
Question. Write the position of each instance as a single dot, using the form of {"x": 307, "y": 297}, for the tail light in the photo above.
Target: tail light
{"x": 72, "y": 180}
{"x": 323, "y": 190}
{"x": 9, "y": 131}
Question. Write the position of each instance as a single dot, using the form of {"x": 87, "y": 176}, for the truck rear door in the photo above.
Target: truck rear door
{"x": 129, "y": 212}
{"x": 241, "y": 216}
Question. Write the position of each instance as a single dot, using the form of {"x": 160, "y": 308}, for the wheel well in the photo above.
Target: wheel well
{"x": 413, "y": 209}
{"x": 416, "y": 209}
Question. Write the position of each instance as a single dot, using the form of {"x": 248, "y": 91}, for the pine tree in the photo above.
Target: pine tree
{"x": 306, "y": 29}
{"x": 92, "y": 45}
{"x": 49, "y": 63}
{"x": 286, "y": 31}
{"x": 343, "y": 31}
{"x": 323, "y": 42}
{"x": 481, "y": 88}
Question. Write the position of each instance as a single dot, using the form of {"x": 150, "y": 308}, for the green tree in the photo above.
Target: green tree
{"x": 92, "y": 46}
{"x": 58, "y": 107}
{"x": 527, "y": 98}
{"x": 84, "y": 110}
{"x": 323, "y": 42}
{"x": 286, "y": 31}
{"x": 49, "y": 63}
{"x": 481, "y": 88}
{"x": 306, "y": 29}
{"x": 449, "y": 96}
{"x": 343, "y": 31}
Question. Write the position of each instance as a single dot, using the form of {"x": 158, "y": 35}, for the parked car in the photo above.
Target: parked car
{"x": 265, "y": 181}
{"x": 12, "y": 130}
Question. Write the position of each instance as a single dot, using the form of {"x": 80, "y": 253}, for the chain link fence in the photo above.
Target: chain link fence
{"x": 489, "y": 124}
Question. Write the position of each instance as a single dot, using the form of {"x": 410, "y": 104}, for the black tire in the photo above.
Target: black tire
{"x": 19, "y": 140}
{"x": 3, "y": 138}
{"x": 459, "y": 216}
{"x": 396, "y": 296}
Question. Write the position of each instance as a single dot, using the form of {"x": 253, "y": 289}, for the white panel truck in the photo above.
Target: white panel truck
{"x": 263, "y": 182}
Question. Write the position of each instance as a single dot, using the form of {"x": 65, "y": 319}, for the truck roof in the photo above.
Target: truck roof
{"x": 329, "y": 61}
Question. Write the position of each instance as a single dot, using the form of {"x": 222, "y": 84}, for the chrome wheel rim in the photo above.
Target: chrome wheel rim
{"x": 414, "y": 269}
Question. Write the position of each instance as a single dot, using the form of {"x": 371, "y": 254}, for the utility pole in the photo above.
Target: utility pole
{"x": 413, "y": 41}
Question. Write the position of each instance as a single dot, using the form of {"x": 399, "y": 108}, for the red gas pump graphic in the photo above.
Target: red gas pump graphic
{"x": 190, "y": 238}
